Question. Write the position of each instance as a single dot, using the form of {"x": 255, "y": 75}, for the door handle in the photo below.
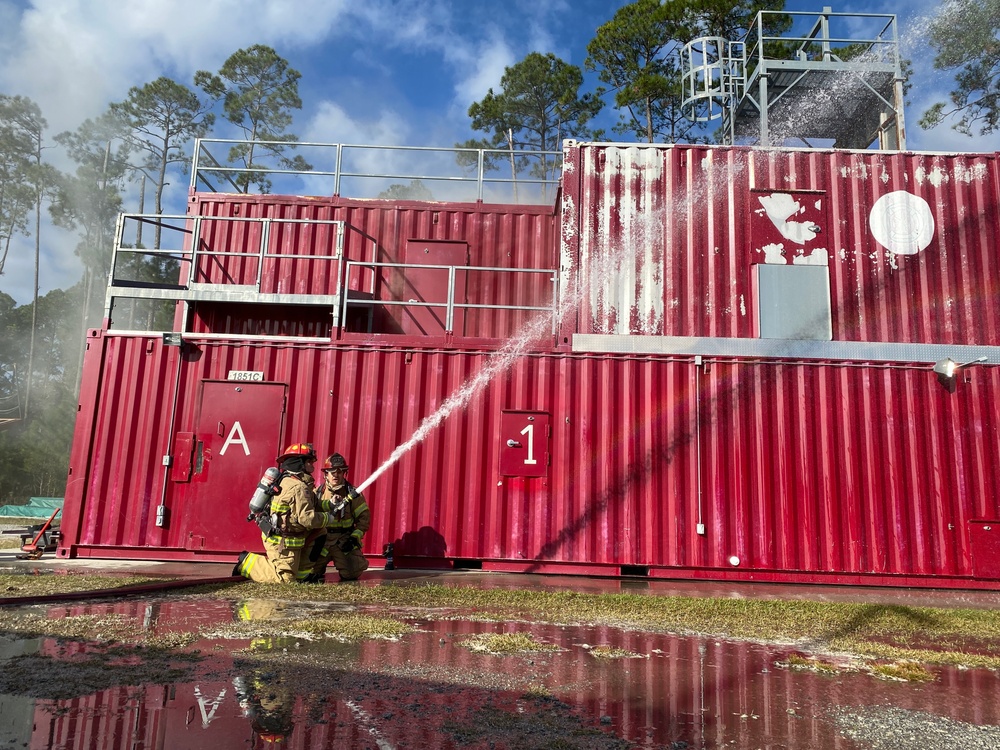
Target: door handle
{"x": 222, "y": 429}
{"x": 511, "y": 443}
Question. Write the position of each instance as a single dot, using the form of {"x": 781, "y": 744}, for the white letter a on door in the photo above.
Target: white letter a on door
{"x": 235, "y": 438}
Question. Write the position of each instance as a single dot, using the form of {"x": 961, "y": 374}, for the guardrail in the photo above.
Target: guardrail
{"x": 367, "y": 171}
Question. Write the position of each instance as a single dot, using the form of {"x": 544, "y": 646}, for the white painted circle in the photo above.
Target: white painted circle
{"x": 902, "y": 222}
{"x": 734, "y": 560}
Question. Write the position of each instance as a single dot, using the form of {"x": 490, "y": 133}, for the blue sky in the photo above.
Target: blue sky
{"x": 393, "y": 72}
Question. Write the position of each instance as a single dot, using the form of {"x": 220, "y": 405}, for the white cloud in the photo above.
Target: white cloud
{"x": 333, "y": 124}
{"x": 59, "y": 268}
{"x": 73, "y": 56}
{"x": 483, "y": 69}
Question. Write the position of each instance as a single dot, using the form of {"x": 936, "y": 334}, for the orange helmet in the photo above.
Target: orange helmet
{"x": 305, "y": 450}
{"x": 335, "y": 461}
{"x": 272, "y": 738}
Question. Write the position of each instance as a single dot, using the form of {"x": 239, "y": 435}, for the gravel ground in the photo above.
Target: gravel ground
{"x": 892, "y": 728}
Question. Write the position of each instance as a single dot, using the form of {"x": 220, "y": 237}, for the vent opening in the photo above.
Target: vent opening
{"x": 635, "y": 570}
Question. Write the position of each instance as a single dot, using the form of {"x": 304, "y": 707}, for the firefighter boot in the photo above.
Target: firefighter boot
{"x": 317, "y": 576}
{"x": 238, "y": 568}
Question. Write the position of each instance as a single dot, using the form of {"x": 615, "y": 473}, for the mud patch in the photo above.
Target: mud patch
{"x": 72, "y": 670}
{"x": 536, "y": 722}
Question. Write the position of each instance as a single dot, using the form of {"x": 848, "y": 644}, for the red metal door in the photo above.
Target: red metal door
{"x": 524, "y": 444}
{"x": 985, "y": 541}
{"x": 431, "y": 286}
{"x": 238, "y": 435}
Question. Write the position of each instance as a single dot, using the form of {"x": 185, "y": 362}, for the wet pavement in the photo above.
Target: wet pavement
{"x": 583, "y": 687}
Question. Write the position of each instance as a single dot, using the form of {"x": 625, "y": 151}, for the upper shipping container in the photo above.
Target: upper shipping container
{"x": 731, "y": 243}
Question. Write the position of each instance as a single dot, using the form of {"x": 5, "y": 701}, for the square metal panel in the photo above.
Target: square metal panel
{"x": 524, "y": 444}
{"x": 793, "y": 302}
{"x": 984, "y": 537}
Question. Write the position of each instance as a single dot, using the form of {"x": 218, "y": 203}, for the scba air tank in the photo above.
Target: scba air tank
{"x": 264, "y": 492}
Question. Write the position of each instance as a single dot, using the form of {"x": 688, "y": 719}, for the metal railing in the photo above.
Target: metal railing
{"x": 191, "y": 279}
{"x": 870, "y": 38}
{"x": 716, "y": 72}
{"x": 367, "y": 171}
{"x": 193, "y": 228}
{"x": 451, "y": 303}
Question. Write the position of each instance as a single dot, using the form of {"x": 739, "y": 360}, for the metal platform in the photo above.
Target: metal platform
{"x": 797, "y": 78}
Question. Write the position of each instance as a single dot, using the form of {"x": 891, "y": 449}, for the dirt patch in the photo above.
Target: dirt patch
{"x": 74, "y": 669}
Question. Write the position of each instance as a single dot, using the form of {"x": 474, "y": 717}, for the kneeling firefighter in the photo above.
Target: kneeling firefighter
{"x": 350, "y": 520}
{"x": 293, "y": 513}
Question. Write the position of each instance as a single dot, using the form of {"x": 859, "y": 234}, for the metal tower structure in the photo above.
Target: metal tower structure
{"x": 834, "y": 77}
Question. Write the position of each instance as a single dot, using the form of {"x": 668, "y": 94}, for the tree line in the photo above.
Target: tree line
{"x": 141, "y": 139}
{"x": 538, "y": 102}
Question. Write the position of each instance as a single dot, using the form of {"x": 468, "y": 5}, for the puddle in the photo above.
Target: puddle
{"x": 428, "y": 689}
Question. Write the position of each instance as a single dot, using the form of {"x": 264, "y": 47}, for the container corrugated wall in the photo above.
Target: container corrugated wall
{"x": 511, "y": 237}
{"x": 666, "y": 238}
{"x": 748, "y": 467}
{"x": 796, "y": 470}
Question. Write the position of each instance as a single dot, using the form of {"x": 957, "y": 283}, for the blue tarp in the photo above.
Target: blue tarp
{"x": 37, "y": 507}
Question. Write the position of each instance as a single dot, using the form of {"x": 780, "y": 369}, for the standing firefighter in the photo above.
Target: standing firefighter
{"x": 294, "y": 513}
{"x": 350, "y": 519}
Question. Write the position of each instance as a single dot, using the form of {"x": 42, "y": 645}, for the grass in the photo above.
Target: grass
{"x": 347, "y": 626}
{"x": 797, "y": 661}
{"x": 903, "y": 671}
{"x": 928, "y": 635}
{"x": 506, "y": 643}
{"x": 611, "y": 652}
{"x": 44, "y": 584}
{"x": 104, "y": 629}
{"x": 887, "y": 634}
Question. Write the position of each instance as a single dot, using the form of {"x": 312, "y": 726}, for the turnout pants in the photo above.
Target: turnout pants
{"x": 279, "y": 564}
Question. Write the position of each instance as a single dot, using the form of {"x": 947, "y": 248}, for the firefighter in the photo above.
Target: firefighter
{"x": 296, "y": 513}
{"x": 350, "y": 520}
{"x": 268, "y": 702}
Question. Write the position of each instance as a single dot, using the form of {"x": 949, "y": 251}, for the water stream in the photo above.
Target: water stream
{"x": 644, "y": 231}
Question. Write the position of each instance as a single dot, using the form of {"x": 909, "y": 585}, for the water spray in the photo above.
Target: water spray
{"x": 605, "y": 266}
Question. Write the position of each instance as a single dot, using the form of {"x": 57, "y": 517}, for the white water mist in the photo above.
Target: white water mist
{"x": 649, "y": 227}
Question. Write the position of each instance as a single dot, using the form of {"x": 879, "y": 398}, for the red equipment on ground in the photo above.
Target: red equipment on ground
{"x": 45, "y": 540}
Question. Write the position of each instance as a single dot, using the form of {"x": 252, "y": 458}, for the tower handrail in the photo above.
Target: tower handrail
{"x": 478, "y": 168}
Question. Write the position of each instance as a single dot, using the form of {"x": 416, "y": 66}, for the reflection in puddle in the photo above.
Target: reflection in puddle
{"x": 428, "y": 690}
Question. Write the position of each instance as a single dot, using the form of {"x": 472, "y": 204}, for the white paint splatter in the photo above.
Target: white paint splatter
{"x": 975, "y": 173}
{"x": 935, "y": 177}
{"x": 857, "y": 171}
{"x": 780, "y": 207}
{"x": 818, "y": 257}
{"x": 774, "y": 253}
{"x": 902, "y": 222}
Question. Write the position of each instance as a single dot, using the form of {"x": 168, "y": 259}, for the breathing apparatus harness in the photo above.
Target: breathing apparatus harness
{"x": 260, "y": 503}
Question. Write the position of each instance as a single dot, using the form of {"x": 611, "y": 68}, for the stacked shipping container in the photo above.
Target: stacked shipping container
{"x": 738, "y": 382}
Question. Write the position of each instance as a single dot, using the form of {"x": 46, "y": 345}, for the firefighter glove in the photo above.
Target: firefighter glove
{"x": 348, "y": 544}
{"x": 317, "y": 548}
